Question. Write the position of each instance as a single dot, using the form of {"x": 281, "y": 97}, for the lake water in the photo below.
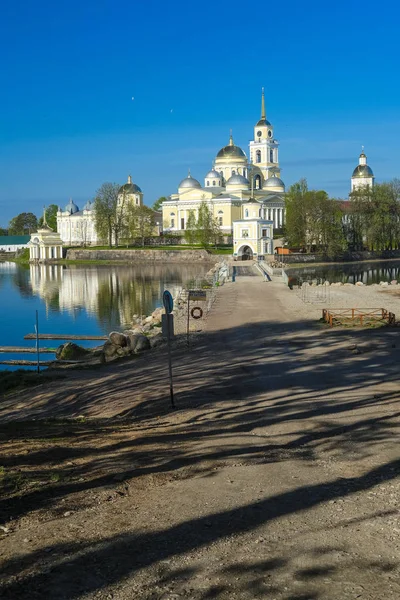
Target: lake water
{"x": 86, "y": 300}
{"x": 368, "y": 273}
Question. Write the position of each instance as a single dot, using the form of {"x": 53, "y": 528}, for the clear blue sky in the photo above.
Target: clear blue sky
{"x": 69, "y": 72}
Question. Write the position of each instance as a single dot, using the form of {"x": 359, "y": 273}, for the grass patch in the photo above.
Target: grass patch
{"x": 12, "y": 380}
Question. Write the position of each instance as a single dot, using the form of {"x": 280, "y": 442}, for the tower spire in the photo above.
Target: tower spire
{"x": 263, "y": 116}
{"x": 231, "y": 138}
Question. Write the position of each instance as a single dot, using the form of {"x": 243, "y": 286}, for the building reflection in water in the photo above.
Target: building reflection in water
{"x": 111, "y": 293}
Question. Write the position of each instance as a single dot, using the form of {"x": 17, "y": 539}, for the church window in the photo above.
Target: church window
{"x": 246, "y": 213}
{"x": 220, "y": 221}
{"x": 182, "y": 223}
{"x": 271, "y": 156}
{"x": 208, "y": 183}
{"x": 258, "y": 156}
{"x": 245, "y": 233}
{"x": 172, "y": 222}
{"x": 213, "y": 183}
{"x": 233, "y": 172}
{"x": 264, "y": 233}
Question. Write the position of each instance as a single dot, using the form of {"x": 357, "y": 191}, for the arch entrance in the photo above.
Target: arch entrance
{"x": 245, "y": 253}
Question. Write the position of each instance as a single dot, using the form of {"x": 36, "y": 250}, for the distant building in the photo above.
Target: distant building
{"x": 77, "y": 227}
{"x": 252, "y": 235}
{"x": 233, "y": 180}
{"x": 12, "y": 243}
{"x": 362, "y": 174}
{"x": 45, "y": 245}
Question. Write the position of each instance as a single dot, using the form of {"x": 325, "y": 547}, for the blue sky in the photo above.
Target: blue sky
{"x": 69, "y": 72}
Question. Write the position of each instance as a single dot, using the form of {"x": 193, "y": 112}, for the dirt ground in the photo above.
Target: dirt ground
{"x": 276, "y": 477}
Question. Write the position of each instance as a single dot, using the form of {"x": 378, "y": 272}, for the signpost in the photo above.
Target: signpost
{"x": 169, "y": 306}
{"x": 197, "y": 296}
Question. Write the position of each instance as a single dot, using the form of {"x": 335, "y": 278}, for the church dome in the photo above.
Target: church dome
{"x": 89, "y": 205}
{"x": 362, "y": 171}
{"x": 189, "y": 182}
{"x": 213, "y": 174}
{"x": 274, "y": 182}
{"x": 71, "y": 207}
{"x": 262, "y": 122}
{"x": 231, "y": 151}
{"x": 129, "y": 188}
{"x": 238, "y": 180}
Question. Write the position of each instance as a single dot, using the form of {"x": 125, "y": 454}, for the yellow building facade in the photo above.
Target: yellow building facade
{"x": 233, "y": 180}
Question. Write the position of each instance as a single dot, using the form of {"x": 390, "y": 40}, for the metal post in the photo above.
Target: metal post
{"x": 37, "y": 341}
{"x": 188, "y": 324}
{"x": 171, "y": 385}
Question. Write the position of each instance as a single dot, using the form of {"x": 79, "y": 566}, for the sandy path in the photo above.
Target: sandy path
{"x": 277, "y": 479}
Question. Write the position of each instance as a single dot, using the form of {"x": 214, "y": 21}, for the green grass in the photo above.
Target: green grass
{"x": 11, "y": 380}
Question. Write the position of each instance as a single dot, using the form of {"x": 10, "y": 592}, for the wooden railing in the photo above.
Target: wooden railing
{"x": 364, "y": 316}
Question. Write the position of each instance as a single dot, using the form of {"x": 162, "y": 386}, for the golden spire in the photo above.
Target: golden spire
{"x": 231, "y": 138}
{"x": 263, "y": 116}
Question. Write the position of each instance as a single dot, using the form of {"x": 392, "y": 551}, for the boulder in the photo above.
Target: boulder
{"x": 110, "y": 350}
{"x": 139, "y": 343}
{"x": 119, "y": 339}
{"x": 156, "y": 340}
{"x": 393, "y": 282}
{"x": 359, "y": 283}
{"x": 71, "y": 351}
{"x": 149, "y": 319}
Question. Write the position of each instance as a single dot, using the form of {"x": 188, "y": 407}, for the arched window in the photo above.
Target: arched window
{"x": 213, "y": 183}
{"x": 246, "y": 213}
{"x": 172, "y": 222}
{"x": 258, "y": 156}
{"x": 271, "y": 156}
{"x": 257, "y": 182}
{"x": 233, "y": 172}
{"x": 208, "y": 183}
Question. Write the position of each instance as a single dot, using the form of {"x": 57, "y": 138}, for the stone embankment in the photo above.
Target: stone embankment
{"x": 144, "y": 335}
{"x": 175, "y": 256}
{"x": 357, "y": 284}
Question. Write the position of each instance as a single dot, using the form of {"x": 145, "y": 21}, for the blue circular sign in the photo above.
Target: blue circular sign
{"x": 168, "y": 302}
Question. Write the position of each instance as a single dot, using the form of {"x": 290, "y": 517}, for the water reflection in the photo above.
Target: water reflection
{"x": 111, "y": 293}
{"x": 368, "y": 273}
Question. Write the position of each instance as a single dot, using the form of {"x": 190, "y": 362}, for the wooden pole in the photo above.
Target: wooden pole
{"x": 37, "y": 341}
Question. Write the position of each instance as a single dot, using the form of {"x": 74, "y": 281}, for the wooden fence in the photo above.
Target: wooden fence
{"x": 361, "y": 316}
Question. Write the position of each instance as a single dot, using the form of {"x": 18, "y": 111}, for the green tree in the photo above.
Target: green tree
{"x": 204, "y": 225}
{"x": 22, "y": 224}
{"x": 51, "y": 217}
{"x": 191, "y": 228}
{"x": 313, "y": 220}
{"x": 140, "y": 222}
{"x": 109, "y": 213}
{"x": 158, "y": 203}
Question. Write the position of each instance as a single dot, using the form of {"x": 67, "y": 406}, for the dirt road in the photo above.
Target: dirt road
{"x": 276, "y": 478}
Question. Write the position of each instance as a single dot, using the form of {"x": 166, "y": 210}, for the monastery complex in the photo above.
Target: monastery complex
{"x": 245, "y": 195}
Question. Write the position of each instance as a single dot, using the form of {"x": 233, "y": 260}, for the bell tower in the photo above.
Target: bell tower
{"x": 264, "y": 147}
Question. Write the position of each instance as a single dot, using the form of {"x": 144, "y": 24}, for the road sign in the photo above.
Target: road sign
{"x": 168, "y": 302}
{"x": 198, "y": 295}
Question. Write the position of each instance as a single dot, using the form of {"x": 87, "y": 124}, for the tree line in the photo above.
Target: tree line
{"x": 369, "y": 220}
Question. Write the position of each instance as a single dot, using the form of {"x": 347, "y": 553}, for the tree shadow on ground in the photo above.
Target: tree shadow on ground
{"x": 286, "y": 400}
{"x": 121, "y": 556}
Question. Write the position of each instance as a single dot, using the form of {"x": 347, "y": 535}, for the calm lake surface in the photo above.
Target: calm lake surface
{"x": 368, "y": 273}
{"x": 76, "y": 299}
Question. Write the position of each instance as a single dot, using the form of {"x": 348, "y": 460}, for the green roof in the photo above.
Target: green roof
{"x": 14, "y": 240}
